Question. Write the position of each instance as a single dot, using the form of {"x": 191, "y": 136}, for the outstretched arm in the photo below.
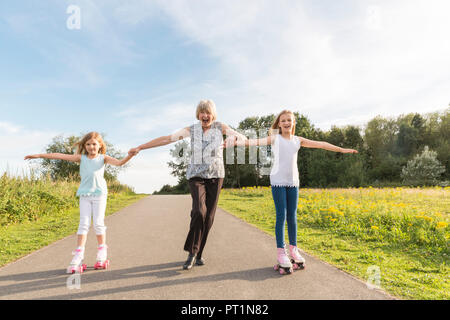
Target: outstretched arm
{"x": 161, "y": 141}
{"x": 56, "y": 156}
{"x": 324, "y": 145}
{"x": 255, "y": 142}
{"x": 232, "y": 136}
{"x": 117, "y": 162}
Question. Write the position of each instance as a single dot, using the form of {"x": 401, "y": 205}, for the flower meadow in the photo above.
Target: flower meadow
{"x": 354, "y": 228}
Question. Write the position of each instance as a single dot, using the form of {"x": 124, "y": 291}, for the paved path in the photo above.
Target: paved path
{"x": 145, "y": 248}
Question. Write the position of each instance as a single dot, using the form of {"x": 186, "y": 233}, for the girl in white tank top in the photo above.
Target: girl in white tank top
{"x": 284, "y": 171}
{"x": 284, "y": 180}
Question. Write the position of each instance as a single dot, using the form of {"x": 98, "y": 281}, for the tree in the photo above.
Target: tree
{"x": 250, "y": 174}
{"x": 379, "y": 136}
{"x": 60, "y": 169}
{"x": 353, "y": 138}
{"x": 385, "y": 145}
{"x": 406, "y": 140}
{"x": 181, "y": 154}
{"x": 424, "y": 169}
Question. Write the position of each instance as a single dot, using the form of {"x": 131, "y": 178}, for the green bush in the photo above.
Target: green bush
{"x": 424, "y": 170}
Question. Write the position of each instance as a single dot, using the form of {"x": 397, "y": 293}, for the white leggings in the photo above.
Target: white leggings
{"x": 92, "y": 206}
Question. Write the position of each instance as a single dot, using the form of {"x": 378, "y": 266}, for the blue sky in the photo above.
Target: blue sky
{"x": 135, "y": 70}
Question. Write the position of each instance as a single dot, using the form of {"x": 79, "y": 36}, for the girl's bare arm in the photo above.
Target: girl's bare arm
{"x": 324, "y": 145}
{"x": 232, "y": 136}
{"x": 117, "y": 162}
{"x": 56, "y": 156}
{"x": 250, "y": 142}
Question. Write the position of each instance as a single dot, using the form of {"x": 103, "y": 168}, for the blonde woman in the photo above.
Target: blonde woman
{"x": 205, "y": 173}
{"x": 93, "y": 192}
{"x": 284, "y": 181}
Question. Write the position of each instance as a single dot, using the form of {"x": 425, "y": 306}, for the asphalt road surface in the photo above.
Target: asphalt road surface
{"x": 146, "y": 252}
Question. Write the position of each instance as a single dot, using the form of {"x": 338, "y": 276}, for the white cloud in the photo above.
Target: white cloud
{"x": 337, "y": 67}
{"x": 327, "y": 67}
{"x": 149, "y": 171}
{"x": 149, "y": 117}
{"x": 9, "y": 128}
{"x": 16, "y": 142}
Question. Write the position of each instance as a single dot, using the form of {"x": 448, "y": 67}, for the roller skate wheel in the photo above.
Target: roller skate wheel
{"x": 276, "y": 267}
{"x": 79, "y": 269}
{"x": 99, "y": 265}
{"x": 282, "y": 271}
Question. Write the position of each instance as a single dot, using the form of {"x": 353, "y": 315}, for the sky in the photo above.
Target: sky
{"x": 136, "y": 70}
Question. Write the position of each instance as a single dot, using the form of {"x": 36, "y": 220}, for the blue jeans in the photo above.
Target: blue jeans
{"x": 286, "y": 200}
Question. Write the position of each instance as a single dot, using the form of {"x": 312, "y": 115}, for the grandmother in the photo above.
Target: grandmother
{"x": 205, "y": 173}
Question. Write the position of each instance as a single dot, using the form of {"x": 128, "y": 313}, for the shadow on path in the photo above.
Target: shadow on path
{"x": 45, "y": 280}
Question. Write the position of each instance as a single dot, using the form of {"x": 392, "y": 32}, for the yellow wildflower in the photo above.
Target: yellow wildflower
{"x": 442, "y": 224}
{"x": 374, "y": 228}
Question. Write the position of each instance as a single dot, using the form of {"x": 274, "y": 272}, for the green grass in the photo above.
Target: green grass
{"x": 404, "y": 232}
{"x": 37, "y": 212}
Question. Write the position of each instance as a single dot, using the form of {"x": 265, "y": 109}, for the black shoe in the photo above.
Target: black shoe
{"x": 199, "y": 261}
{"x": 189, "y": 262}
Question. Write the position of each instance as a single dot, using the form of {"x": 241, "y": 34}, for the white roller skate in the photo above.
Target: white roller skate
{"x": 102, "y": 262}
{"x": 76, "y": 265}
{"x": 284, "y": 265}
{"x": 298, "y": 262}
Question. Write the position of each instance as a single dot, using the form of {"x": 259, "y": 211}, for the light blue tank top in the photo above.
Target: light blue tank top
{"x": 92, "y": 172}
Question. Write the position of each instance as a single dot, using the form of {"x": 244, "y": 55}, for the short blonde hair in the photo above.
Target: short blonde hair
{"x": 207, "y": 106}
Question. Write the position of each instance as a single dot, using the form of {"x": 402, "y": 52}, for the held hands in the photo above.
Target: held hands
{"x": 134, "y": 151}
{"x": 230, "y": 141}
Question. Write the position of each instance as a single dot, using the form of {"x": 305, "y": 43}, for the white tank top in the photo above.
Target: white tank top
{"x": 284, "y": 171}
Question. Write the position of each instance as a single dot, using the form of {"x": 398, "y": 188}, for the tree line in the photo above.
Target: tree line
{"x": 411, "y": 149}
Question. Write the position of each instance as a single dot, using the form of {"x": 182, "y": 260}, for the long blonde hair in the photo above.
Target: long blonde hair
{"x": 275, "y": 128}
{"x": 80, "y": 145}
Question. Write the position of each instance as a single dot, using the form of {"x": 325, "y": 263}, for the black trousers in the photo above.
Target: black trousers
{"x": 205, "y": 195}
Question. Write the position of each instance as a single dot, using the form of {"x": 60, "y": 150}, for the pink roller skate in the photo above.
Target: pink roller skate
{"x": 76, "y": 265}
{"x": 298, "y": 262}
{"x": 101, "y": 263}
{"x": 284, "y": 265}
